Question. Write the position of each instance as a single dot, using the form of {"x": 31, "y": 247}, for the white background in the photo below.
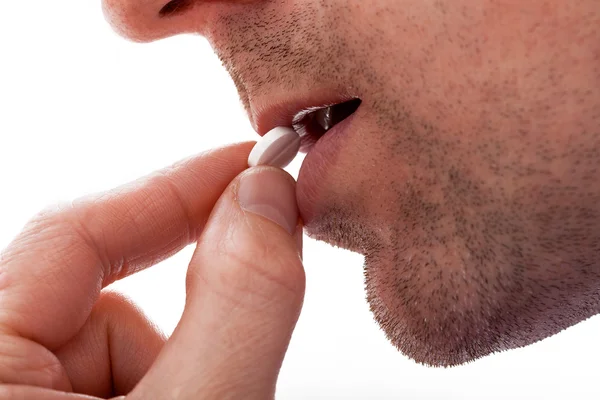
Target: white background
{"x": 82, "y": 110}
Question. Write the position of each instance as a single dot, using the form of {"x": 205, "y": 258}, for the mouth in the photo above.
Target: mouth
{"x": 313, "y": 123}
{"x": 324, "y": 131}
{"x": 309, "y": 121}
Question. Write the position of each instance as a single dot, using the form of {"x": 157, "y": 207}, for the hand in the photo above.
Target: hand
{"x": 59, "y": 332}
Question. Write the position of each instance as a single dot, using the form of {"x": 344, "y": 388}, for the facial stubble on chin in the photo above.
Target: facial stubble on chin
{"x": 448, "y": 289}
{"x": 447, "y": 286}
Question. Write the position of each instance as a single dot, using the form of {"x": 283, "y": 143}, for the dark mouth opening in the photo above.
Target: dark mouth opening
{"x": 312, "y": 125}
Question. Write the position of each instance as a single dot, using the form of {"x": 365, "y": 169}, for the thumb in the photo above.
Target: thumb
{"x": 245, "y": 288}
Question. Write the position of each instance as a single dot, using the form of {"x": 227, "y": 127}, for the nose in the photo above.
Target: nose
{"x": 147, "y": 20}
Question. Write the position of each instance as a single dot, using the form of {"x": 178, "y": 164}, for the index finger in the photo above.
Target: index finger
{"x": 52, "y": 273}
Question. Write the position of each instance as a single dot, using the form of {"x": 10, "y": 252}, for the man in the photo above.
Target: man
{"x": 459, "y": 155}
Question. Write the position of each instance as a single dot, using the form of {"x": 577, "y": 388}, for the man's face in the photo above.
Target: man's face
{"x": 469, "y": 174}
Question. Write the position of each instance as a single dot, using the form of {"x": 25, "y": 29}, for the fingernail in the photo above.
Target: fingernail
{"x": 270, "y": 193}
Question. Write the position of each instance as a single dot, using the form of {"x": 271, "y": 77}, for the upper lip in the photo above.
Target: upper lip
{"x": 272, "y": 113}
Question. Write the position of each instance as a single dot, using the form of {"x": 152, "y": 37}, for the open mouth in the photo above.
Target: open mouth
{"x": 313, "y": 123}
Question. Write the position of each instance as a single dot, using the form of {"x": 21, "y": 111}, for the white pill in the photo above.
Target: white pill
{"x": 277, "y": 148}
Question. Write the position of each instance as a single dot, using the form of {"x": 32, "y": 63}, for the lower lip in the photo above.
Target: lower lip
{"x": 312, "y": 179}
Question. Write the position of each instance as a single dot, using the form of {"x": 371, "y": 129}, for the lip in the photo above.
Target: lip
{"x": 316, "y": 168}
{"x": 265, "y": 116}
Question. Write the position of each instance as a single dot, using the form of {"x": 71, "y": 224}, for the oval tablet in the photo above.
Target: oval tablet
{"x": 277, "y": 148}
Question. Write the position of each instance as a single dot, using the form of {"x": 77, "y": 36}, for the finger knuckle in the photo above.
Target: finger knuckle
{"x": 263, "y": 272}
{"x": 266, "y": 268}
{"x": 110, "y": 303}
{"x": 27, "y": 362}
{"x": 66, "y": 227}
{"x": 53, "y": 228}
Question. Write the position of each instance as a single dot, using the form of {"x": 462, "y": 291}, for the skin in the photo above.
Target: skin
{"x": 468, "y": 180}
{"x": 62, "y": 338}
{"x": 469, "y": 176}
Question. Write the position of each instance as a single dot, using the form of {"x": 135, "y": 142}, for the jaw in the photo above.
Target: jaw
{"x": 449, "y": 276}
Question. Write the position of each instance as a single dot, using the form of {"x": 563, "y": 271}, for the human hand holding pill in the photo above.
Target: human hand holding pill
{"x": 245, "y": 286}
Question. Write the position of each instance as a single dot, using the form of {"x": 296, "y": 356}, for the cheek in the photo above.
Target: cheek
{"x": 477, "y": 71}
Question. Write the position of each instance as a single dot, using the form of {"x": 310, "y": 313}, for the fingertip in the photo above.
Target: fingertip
{"x": 256, "y": 230}
{"x": 269, "y": 193}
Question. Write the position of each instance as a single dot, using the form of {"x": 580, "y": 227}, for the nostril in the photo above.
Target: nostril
{"x": 174, "y": 7}
{"x": 145, "y": 20}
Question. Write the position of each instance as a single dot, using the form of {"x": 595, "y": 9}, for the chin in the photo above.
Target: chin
{"x": 442, "y": 311}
